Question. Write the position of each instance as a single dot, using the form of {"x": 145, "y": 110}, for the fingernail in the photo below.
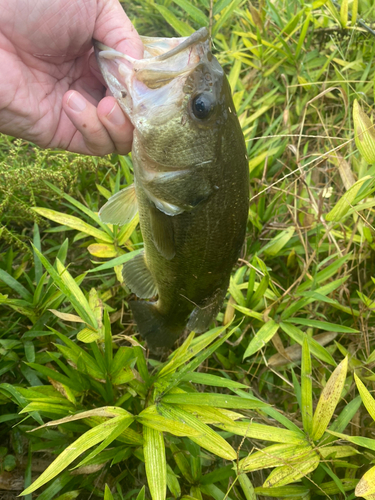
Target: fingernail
{"x": 76, "y": 102}
{"x": 116, "y": 116}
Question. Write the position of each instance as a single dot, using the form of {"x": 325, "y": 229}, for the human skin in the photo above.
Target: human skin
{"x": 51, "y": 91}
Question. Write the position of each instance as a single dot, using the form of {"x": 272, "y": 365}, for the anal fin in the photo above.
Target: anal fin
{"x": 138, "y": 278}
{"x": 201, "y": 317}
{"x": 121, "y": 208}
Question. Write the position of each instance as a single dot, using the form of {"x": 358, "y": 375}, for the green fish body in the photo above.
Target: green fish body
{"x": 191, "y": 184}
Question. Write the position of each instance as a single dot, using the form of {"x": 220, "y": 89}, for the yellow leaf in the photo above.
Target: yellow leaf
{"x": 292, "y": 472}
{"x": 328, "y": 400}
{"x": 366, "y": 397}
{"x": 118, "y": 272}
{"x": 102, "y": 251}
{"x": 127, "y": 230}
{"x": 366, "y": 486}
{"x": 275, "y": 455}
{"x": 354, "y": 12}
{"x": 344, "y": 13}
{"x": 86, "y": 336}
{"x": 96, "y": 305}
{"x": 156, "y": 465}
{"x": 335, "y": 452}
{"x": 66, "y": 316}
{"x": 364, "y": 133}
{"x": 263, "y": 432}
{"x": 73, "y": 222}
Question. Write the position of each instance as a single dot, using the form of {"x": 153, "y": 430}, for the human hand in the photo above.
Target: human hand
{"x": 51, "y": 91}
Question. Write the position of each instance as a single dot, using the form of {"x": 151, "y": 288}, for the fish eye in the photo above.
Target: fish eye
{"x": 203, "y": 105}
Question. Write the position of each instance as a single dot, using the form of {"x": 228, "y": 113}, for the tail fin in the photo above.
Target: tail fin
{"x": 156, "y": 329}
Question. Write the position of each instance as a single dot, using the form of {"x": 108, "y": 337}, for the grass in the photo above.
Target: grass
{"x": 274, "y": 401}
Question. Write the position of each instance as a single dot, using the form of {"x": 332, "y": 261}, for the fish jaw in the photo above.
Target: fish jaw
{"x": 157, "y": 81}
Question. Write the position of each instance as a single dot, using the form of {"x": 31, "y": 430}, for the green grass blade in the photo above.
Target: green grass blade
{"x": 264, "y": 335}
{"x": 247, "y": 487}
{"x": 212, "y": 380}
{"x": 215, "y": 400}
{"x": 208, "y": 440}
{"x": 182, "y": 28}
{"x": 306, "y": 388}
{"x": 69, "y": 287}
{"x": 182, "y": 355}
{"x": 16, "y": 286}
{"x": 316, "y": 349}
{"x": 341, "y": 208}
{"x": 263, "y": 432}
{"x": 122, "y": 424}
{"x": 193, "y": 11}
{"x": 322, "y": 325}
{"x": 37, "y": 264}
{"x": 86, "y": 441}
{"x": 116, "y": 261}
{"x": 107, "y": 493}
{"x": 151, "y": 418}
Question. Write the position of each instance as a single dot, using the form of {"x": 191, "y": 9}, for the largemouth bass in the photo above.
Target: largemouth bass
{"x": 191, "y": 183}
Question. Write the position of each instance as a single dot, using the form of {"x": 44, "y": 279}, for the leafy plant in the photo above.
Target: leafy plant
{"x": 267, "y": 403}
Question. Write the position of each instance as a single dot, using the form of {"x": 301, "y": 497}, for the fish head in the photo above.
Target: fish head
{"x": 177, "y": 97}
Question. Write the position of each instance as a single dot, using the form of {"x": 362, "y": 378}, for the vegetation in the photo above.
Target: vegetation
{"x": 274, "y": 401}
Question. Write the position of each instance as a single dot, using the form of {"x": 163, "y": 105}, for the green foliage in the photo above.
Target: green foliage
{"x": 268, "y": 402}
{"x": 24, "y": 170}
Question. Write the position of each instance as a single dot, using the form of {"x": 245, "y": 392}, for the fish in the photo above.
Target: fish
{"x": 191, "y": 183}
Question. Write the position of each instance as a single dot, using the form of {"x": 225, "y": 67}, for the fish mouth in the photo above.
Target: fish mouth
{"x": 166, "y": 64}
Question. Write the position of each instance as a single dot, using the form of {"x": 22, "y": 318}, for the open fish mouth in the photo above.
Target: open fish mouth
{"x": 157, "y": 79}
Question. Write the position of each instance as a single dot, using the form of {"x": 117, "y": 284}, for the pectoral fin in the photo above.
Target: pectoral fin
{"x": 178, "y": 191}
{"x": 162, "y": 232}
{"x": 121, "y": 208}
{"x": 138, "y": 278}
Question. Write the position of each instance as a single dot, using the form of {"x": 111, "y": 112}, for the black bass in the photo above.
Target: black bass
{"x": 191, "y": 184}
